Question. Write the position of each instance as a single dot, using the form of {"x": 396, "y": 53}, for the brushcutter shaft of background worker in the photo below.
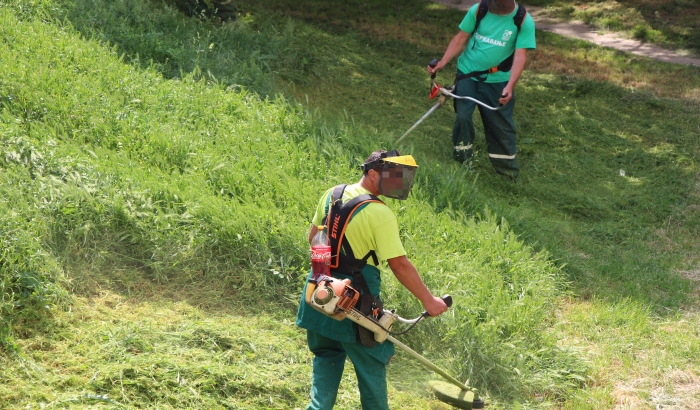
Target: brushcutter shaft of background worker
{"x": 442, "y": 93}
{"x": 427, "y": 114}
{"x": 434, "y": 91}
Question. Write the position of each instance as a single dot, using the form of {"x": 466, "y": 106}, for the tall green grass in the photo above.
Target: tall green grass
{"x": 188, "y": 179}
{"x": 144, "y": 149}
{"x": 124, "y": 163}
{"x": 155, "y": 35}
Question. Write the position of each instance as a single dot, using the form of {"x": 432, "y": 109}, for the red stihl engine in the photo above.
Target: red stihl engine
{"x": 333, "y": 297}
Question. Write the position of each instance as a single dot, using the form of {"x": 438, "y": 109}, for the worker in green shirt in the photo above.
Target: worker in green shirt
{"x": 491, "y": 44}
{"x": 371, "y": 235}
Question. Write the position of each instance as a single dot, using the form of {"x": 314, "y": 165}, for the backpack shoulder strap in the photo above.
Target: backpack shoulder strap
{"x": 484, "y": 8}
{"x": 338, "y": 218}
{"x": 481, "y": 13}
{"x": 519, "y": 16}
{"x": 336, "y": 193}
{"x": 507, "y": 64}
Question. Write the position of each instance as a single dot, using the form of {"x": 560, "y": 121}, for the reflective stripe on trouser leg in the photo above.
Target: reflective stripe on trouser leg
{"x": 328, "y": 364}
{"x": 463, "y": 130}
{"x": 499, "y": 129}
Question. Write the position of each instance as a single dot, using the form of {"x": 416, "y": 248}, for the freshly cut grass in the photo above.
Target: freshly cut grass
{"x": 160, "y": 354}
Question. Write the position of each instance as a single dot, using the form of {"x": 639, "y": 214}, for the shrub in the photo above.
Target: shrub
{"x": 640, "y": 32}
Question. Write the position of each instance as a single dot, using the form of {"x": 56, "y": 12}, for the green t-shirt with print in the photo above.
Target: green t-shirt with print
{"x": 373, "y": 228}
{"x": 495, "y": 40}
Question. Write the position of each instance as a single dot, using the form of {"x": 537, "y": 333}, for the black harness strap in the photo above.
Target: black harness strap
{"x": 343, "y": 258}
{"x": 338, "y": 217}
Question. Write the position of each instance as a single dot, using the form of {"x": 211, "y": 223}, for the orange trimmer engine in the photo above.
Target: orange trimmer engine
{"x": 334, "y": 295}
{"x": 337, "y": 299}
{"x": 434, "y": 91}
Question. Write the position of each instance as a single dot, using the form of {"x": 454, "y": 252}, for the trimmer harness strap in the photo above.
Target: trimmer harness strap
{"x": 338, "y": 215}
{"x": 343, "y": 260}
{"x": 506, "y": 64}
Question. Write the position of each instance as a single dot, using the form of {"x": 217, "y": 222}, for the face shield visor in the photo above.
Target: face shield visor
{"x": 395, "y": 181}
{"x": 395, "y": 174}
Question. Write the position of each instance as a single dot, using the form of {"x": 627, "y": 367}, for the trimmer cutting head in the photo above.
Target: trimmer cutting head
{"x": 453, "y": 395}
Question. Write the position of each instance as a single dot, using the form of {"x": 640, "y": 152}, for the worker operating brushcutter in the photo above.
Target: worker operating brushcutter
{"x": 362, "y": 231}
{"x": 491, "y": 44}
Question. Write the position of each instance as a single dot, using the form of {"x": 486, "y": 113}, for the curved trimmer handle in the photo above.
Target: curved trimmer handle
{"x": 432, "y": 64}
{"x": 448, "y": 301}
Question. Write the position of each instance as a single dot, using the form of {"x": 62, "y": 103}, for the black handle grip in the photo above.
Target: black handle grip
{"x": 432, "y": 64}
{"x": 448, "y": 301}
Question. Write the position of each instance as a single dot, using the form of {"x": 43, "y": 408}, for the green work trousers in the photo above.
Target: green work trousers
{"x": 328, "y": 365}
{"x": 499, "y": 127}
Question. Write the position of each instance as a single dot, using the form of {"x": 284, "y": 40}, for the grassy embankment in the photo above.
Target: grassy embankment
{"x": 141, "y": 178}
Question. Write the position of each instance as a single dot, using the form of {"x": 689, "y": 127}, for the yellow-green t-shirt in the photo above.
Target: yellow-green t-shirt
{"x": 373, "y": 228}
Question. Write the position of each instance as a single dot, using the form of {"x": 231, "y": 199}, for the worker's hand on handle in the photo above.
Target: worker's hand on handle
{"x": 435, "y": 306}
{"x": 454, "y": 49}
{"x": 506, "y": 96}
{"x": 432, "y": 69}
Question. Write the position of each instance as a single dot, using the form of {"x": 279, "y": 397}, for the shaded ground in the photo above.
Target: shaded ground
{"x": 580, "y": 30}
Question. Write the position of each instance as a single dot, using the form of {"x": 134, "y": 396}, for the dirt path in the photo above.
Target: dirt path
{"x": 578, "y": 29}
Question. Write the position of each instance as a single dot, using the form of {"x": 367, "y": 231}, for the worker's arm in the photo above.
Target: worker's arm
{"x": 455, "y": 48}
{"x": 516, "y": 70}
{"x": 407, "y": 274}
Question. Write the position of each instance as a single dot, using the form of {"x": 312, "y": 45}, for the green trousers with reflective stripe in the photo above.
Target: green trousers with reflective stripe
{"x": 499, "y": 127}
{"x": 328, "y": 365}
